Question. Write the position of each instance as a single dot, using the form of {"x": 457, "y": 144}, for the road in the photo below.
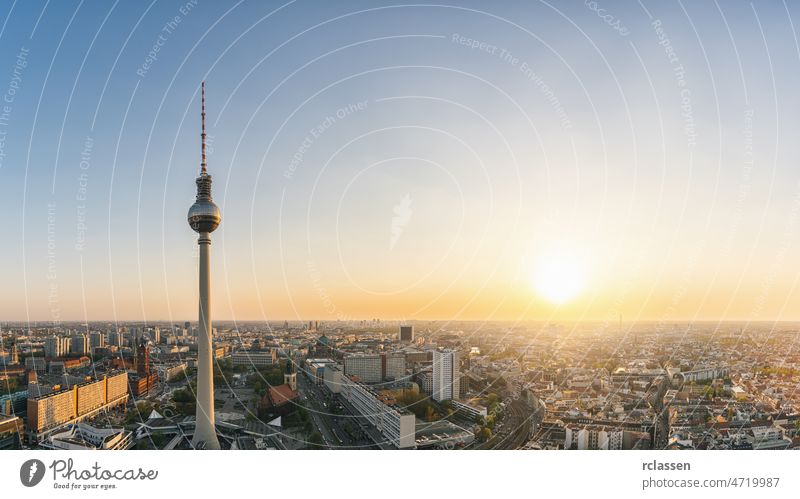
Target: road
{"x": 514, "y": 430}
{"x": 337, "y": 425}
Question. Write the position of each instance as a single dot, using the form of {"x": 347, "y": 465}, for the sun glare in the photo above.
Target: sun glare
{"x": 558, "y": 277}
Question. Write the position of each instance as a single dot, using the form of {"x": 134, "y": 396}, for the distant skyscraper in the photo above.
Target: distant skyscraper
{"x": 156, "y": 335}
{"x": 204, "y": 217}
{"x": 407, "y": 333}
{"x": 53, "y": 347}
{"x": 446, "y": 379}
{"x": 80, "y": 344}
{"x": 115, "y": 338}
{"x": 96, "y": 340}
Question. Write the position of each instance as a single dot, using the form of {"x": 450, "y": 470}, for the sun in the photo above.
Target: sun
{"x": 559, "y": 276}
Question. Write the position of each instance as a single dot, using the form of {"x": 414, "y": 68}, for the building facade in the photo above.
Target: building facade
{"x": 48, "y": 412}
{"x": 255, "y": 358}
{"x": 446, "y": 378}
{"x": 407, "y": 333}
{"x": 397, "y": 426}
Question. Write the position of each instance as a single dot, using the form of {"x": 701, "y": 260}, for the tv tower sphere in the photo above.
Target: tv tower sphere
{"x": 204, "y": 215}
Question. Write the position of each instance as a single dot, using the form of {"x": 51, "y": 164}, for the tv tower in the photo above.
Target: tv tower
{"x": 204, "y": 217}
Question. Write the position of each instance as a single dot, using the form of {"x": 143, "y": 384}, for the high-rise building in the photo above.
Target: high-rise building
{"x": 394, "y": 366}
{"x": 115, "y": 338}
{"x": 407, "y": 333}
{"x": 156, "y": 335}
{"x": 80, "y": 344}
{"x": 368, "y": 368}
{"x": 96, "y": 340}
{"x": 204, "y": 217}
{"x": 446, "y": 379}
{"x": 53, "y": 347}
{"x": 375, "y": 368}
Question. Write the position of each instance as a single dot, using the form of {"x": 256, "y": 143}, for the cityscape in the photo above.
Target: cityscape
{"x": 430, "y": 227}
{"x": 377, "y": 384}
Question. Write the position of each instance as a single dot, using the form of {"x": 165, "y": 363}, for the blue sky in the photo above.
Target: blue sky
{"x": 565, "y": 127}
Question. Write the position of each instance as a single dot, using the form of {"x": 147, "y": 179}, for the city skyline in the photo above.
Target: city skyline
{"x": 531, "y": 176}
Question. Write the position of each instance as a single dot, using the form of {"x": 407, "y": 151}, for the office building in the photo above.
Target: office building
{"x": 115, "y": 339}
{"x": 394, "y": 366}
{"x": 367, "y": 368}
{"x": 425, "y": 382}
{"x": 407, "y": 333}
{"x": 255, "y": 358}
{"x": 96, "y": 340}
{"x": 79, "y": 345}
{"x": 446, "y": 378}
{"x": 54, "y": 347}
{"x": 49, "y": 412}
{"x": 375, "y": 368}
{"x": 470, "y": 408}
{"x": 396, "y": 425}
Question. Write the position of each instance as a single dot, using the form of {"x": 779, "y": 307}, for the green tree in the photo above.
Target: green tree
{"x": 315, "y": 441}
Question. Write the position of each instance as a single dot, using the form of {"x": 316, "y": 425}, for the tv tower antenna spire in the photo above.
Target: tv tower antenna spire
{"x": 203, "y": 130}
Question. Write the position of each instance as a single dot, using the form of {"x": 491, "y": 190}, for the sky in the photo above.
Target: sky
{"x": 516, "y": 160}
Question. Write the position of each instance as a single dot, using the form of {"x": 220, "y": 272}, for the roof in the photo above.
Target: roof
{"x": 278, "y": 396}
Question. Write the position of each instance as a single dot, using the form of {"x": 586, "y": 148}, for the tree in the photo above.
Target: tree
{"x": 12, "y": 385}
{"x": 183, "y": 396}
{"x": 315, "y": 441}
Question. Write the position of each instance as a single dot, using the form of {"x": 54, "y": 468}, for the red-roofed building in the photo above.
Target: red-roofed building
{"x": 279, "y": 400}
